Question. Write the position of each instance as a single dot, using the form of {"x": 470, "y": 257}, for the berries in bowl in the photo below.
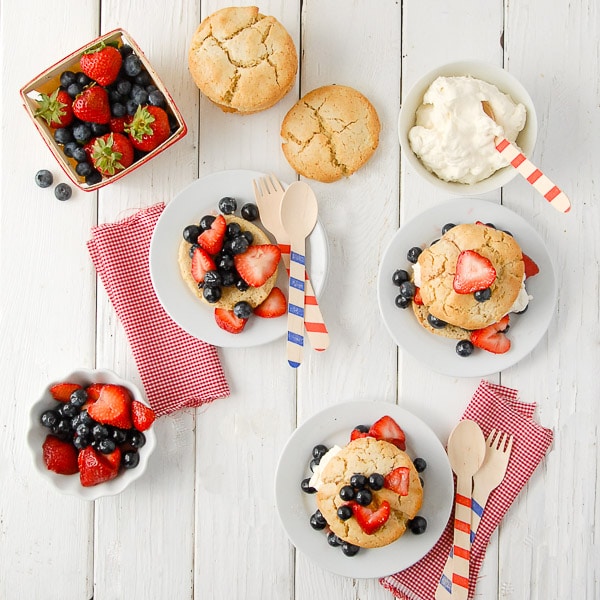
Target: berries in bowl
{"x": 91, "y": 433}
{"x": 103, "y": 111}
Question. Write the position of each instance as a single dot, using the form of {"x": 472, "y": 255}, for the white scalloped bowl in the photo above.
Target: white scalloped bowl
{"x": 497, "y": 76}
{"x": 70, "y": 484}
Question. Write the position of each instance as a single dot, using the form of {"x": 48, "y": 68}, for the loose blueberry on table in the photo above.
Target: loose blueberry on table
{"x": 358, "y": 493}
{"x": 491, "y": 338}
{"x": 95, "y": 431}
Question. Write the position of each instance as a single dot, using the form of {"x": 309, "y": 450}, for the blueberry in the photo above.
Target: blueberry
{"x": 400, "y": 276}
{"x": 67, "y": 78}
{"x": 74, "y": 89}
{"x": 319, "y": 451}
{"x": 317, "y": 521}
{"x": 248, "y": 235}
{"x": 119, "y": 436}
{"x": 508, "y": 232}
{"x": 241, "y": 285}
{"x": 106, "y": 446}
{"x": 347, "y": 492}
{"x": 156, "y": 98}
{"x": 447, "y": 227}
{"x": 242, "y": 310}
{"x": 418, "y": 525}
{"x": 70, "y": 410}
{"x": 136, "y": 438}
{"x": 420, "y": 464}
{"x": 227, "y": 205}
{"x": 344, "y": 512}
{"x": 130, "y": 460}
{"x": 228, "y": 278}
{"x": 362, "y": 428}
{"x": 78, "y": 397}
{"x": 123, "y": 86}
{"x": 84, "y": 417}
{"x": 206, "y": 222}
{"x": 131, "y": 105}
{"x": 63, "y": 191}
{"x": 132, "y": 65}
{"x": 44, "y": 178}
{"x": 239, "y": 245}
{"x": 79, "y": 154}
{"x": 94, "y": 178}
{"x": 224, "y": 262}
{"x": 83, "y": 169}
{"x": 313, "y": 463}
{"x": 49, "y": 418}
{"x": 407, "y": 289}
{"x": 249, "y": 212}
{"x": 364, "y": 497}
{"x": 69, "y": 147}
{"x": 464, "y": 348}
{"x": 99, "y": 129}
{"x": 63, "y": 426}
{"x": 191, "y": 233}
{"x": 490, "y": 225}
{"x": 435, "y": 322}
{"x": 483, "y": 295}
{"x": 376, "y": 481}
{"x": 63, "y": 135}
{"x": 193, "y": 249}
{"x": 212, "y": 294}
{"x": 233, "y": 230}
{"x": 82, "y": 132}
{"x": 434, "y": 242}
{"x": 125, "y": 50}
{"x": 99, "y": 432}
{"x": 413, "y": 254}
{"x": 143, "y": 78}
{"x": 401, "y": 301}
{"x": 81, "y": 442}
{"x": 83, "y": 430}
{"x": 358, "y": 481}
{"x": 82, "y": 79}
{"x": 118, "y": 109}
{"x": 139, "y": 94}
{"x": 333, "y": 540}
{"x": 212, "y": 279}
{"x": 350, "y": 549}
{"x": 306, "y": 487}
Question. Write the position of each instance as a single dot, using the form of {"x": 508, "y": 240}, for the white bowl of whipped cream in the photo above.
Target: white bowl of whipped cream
{"x": 448, "y": 138}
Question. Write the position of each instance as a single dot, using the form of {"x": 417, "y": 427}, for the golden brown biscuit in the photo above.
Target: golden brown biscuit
{"x": 330, "y": 133}
{"x": 449, "y": 331}
{"x": 243, "y": 61}
{"x": 230, "y": 295}
{"x": 367, "y": 456}
{"x": 438, "y": 267}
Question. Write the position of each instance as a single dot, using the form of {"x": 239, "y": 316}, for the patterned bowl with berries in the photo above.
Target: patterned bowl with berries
{"x": 103, "y": 111}
{"x": 84, "y": 456}
{"x": 506, "y": 83}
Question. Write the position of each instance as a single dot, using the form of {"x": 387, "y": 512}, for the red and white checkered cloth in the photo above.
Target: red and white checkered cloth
{"x": 492, "y": 407}
{"x": 176, "y": 369}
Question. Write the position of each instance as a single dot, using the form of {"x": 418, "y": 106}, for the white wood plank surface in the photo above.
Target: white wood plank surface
{"x": 202, "y": 522}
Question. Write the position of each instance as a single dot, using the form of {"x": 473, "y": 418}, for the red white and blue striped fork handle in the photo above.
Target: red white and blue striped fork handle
{"x": 295, "y": 336}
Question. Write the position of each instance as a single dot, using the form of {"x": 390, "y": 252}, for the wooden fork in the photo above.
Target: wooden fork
{"x": 268, "y": 193}
{"x": 487, "y": 479}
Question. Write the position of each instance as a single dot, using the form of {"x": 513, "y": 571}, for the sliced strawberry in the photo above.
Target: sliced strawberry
{"x": 357, "y": 433}
{"x": 228, "y": 321}
{"x": 275, "y": 305}
{"x": 492, "y": 338}
{"x": 113, "y": 459}
{"x": 258, "y": 263}
{"x": 59, "y": 456}
{"x": 143, "y": 416}
{"x": 62, "y": 391}
{"x": 473, "y": 273}
{"x": 398, "y": 480}
{"x": 95, "y": 467}
{"x": 201, "y": 264}
{"x": 387, "y": 429}
{"x": 93, "y": 391}
{"x": 370, "y": 520}
{"x": 417, "y": 297}
{"x": 212, "y": 239}
{"x": 531, "y": 267}
{"x": 113, "y": 407}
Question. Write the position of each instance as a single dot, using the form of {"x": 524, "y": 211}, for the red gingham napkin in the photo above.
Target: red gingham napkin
{"x": 176, "y": 369}
{"x": 492, "y": 407}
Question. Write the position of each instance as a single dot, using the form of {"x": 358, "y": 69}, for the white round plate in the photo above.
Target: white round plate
{"x": 188, "y": 311}
{"x": 333, "y": 426}
{"x": 438, "y": 352}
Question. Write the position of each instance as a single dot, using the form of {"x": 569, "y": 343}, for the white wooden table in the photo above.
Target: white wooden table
{"x": 202, "y": 522}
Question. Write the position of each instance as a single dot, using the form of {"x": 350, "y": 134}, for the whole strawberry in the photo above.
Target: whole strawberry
{"x": 55, "y": 109}
{"x": 101, "y": 63}
{"x": 92, "y": 105}
{"x": 111, "y": 153}
{"x": 149, "y": 128}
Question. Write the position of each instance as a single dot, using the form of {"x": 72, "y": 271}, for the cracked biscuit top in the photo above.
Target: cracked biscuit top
{"x": 330, "y": 133}
{"x": 438, "y": 268}
{"x": 367, "y": 456}
{"x": 243, "y": 61}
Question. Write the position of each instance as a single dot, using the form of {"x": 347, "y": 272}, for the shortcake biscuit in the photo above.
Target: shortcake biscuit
{"x": 242, "y": 60}
{"x": 330, "y": 133}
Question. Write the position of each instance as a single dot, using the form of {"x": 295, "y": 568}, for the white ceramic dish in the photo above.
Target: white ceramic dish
{"x": 189, "y": 312}
{"x": 506, "y": 83}
{"x": 437, "y": 352}
{"x": 69, "y": 484}
{"x": 333, "y": 426}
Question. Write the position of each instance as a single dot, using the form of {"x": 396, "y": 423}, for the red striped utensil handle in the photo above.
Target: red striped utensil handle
{"x": 316, "y": 330}
{"x": 552, "y": 193}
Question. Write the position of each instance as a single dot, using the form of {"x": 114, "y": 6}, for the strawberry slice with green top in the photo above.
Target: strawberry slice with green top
{"x": 113, "y": 407}
{"x": 228, "y": 321}
{"x": 112, "y": 153}
{"x": 149, "y": 127}
{"x": 398, "y": 480}
{"x": 201, "y": 264}
{"x": 492, "y": 338}
{"x": 473, "y": 273}
{"x": 273, "y": 306}
{"x": 62, "y": 391}
{"x": 56, "y": 109}
{"x": 370, "y": 520}
{"x": 212, "y": 239}
{"x": 388, "y": 430}
{"x": 258, "y": 263}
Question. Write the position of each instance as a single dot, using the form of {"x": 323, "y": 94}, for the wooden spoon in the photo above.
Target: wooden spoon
{"x": 557, "y": 198}
{"x": 299, "y": 210}
{"x": 466, "y": 451}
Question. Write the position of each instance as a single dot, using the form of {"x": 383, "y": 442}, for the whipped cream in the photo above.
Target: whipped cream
{"x": 522, "y": 299}
{"x": 453, "y": 136}
{"x": 315, "y": 480}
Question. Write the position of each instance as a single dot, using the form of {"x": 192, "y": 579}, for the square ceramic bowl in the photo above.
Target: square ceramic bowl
{"x": 70, "y": 484}
{"x": 497, "y": 76}
{"x": 48, "y": 81}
